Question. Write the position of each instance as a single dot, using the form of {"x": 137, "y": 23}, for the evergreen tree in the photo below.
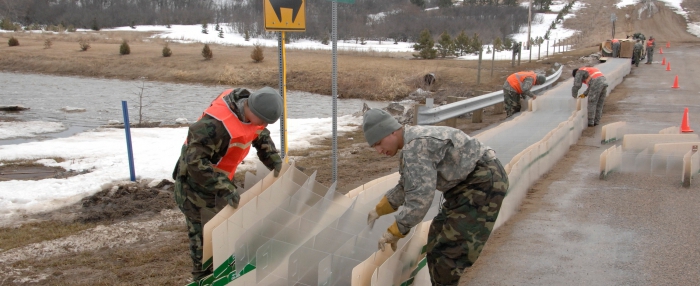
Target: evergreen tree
{"x": 476, "y": 45}
{"x": 217, "y": 27}
{"x": 95, "y": 27}
{"x": 124, "y": 49}
{"x": 167, "y": 51}
{"x": 497, "y": 44}
{"x": 221, "y": 33}
{"x": 510, "y": 2}
{"x": 425, "y": 46}
{"x": 507, "y": 44}
{"x": 445, "y": 45}
{"x": 419, "y": 3}
{"x": 205, "y": 29}
{"x": 444, "y": 3}
{"x": 246, "y": 36}
{"x": 207, "y": 53}
{"x": 462, "y": 44}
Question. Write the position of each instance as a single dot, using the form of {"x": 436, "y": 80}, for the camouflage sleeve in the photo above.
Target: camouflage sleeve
{"x": 578, "y": 81}
{"x": 207, "y": 142}
{"x": 267, "y": 153}
{"x": 419, "y": 179}
{"x": 526, "y": 85}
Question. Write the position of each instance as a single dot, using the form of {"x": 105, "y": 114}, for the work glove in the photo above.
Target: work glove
{"x": 391, "y": 236}
{"x": 232, "y": 198}
{"x": 582, "y": 95}
{"x": 277, "y": 169}
{"x": 382, "y": 208}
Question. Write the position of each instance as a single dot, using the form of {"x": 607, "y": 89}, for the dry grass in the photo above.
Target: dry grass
{"x": 37, "y": 232}
{"x": 371, "y": 75}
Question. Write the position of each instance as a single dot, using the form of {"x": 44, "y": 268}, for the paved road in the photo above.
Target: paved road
{"x": 632, "y": 229}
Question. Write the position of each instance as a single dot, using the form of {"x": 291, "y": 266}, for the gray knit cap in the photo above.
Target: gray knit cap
{"x": 540, "y": 79}
{"x": 266, "y": 103}
{"x": 377, "y": 124}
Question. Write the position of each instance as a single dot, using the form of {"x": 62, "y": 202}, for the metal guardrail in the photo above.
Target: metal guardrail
{"x": 431, "y": 115}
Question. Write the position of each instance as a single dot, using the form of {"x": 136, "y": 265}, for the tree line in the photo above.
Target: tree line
{"x": 383, "y": 20}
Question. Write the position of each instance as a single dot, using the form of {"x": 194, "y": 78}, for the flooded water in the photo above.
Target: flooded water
{"x": 56, "y": 99}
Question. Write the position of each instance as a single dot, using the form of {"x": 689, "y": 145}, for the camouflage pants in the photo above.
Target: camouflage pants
{"x": 597, "y": 92}
{"x": 650, "y": 55}
{"x": 511, "y": 100}
{"x": 636, "y": 57}
{"x": 616, "y": 50}
{"x": 198, "y": 209}
{"x": 459, "y": 231}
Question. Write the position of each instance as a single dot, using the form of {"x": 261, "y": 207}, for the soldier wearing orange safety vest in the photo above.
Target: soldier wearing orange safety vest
{"x": 596, "y": 92}
{"x": 650, "y": 49}
{"x": 216, "y": 144}
{"x": 615, "y": 48}
{"x": 518, "y": 85}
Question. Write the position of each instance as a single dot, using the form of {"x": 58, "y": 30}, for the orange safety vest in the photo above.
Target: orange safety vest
{"x": 517, "y": 78}
{"x": 592, "y": 73}
{"x": 242, "y": 135}
{"x": 650, "y": 43}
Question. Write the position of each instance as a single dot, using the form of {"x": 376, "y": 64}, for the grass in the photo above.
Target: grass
{"x": 37, "y": 232}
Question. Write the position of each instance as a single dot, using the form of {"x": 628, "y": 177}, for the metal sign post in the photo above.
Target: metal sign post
{"x": 284, "y": 15}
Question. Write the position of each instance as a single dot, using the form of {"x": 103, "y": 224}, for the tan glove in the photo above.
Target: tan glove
{"x": 581, "y": 95}
{"x": 391, "y": 236}
{"x": 382, "y": 208}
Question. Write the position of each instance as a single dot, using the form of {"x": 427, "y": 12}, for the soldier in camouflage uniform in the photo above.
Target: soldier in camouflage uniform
{"x": 651, "y": 44}
{"x": 518, "y": 86}
{"x": 468, "y": 173}
{"x": 596, "y": 92}
{"x": 637, "y": 53}
{"x": 214, "y": 147}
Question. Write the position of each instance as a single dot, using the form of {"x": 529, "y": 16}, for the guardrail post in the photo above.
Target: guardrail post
{"x": 478, "y": 71}
{"x": 415, "y": 113}
{"x": 477, "y": 116}
{"x": 499, "y": 108}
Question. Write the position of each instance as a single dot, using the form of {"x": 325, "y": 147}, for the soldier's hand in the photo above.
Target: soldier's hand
{"x": 389, "y": 238}
{"x": 232, "y": 199}
{"x": 372, "y": 217}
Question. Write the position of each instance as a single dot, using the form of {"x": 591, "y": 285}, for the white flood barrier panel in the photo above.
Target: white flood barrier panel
{"x": 691, "y": 167}
{"x": 639, "y": 142}
{"x": 295, "y": 232}
{"x": 612, "y": 132}
{"x": 671, "y": 130}
{"x": 610, "y": 161}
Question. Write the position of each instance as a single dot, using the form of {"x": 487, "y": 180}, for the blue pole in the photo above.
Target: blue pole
{"x": 125, "y": 111}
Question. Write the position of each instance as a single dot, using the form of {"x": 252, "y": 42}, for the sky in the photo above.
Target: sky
{"x": 103, "y": 152}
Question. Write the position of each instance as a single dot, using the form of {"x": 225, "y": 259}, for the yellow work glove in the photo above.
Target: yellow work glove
{"x": 581, "y": 95}
{"x": 391, "y": 236}
{"x": 382, "y": 208}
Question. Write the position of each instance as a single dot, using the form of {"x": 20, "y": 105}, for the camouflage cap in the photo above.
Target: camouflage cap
{"x": 540, "y": 79}
{"x": 266, "y": 103}
{"x": 377, "y": 124}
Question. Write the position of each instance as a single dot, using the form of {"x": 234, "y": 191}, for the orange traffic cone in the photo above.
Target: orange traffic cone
{"x": 668, "y": 66}
{"x": 661, "y": 50}
{"x": 675, "y": 83}
{"x": 663, "y": 62}
{"x": 668, "y": 44}
{"x": 685, "y": 127}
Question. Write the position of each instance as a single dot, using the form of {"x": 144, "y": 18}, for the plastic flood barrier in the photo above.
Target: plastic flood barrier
{"x": 291, "y": 230}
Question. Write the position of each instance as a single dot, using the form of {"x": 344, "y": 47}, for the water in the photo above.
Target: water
{"x": 47, "y": 96}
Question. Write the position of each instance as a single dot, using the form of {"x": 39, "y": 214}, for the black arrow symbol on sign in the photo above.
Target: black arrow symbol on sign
{"x": 295, "y": 5}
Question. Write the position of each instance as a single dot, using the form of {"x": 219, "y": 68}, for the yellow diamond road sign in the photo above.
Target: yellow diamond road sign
{"x": 285, "y": 15}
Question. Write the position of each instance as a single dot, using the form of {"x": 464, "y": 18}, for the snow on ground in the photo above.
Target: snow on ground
{"x": 694, "y": 28}
{"x": 28, "y": 129}
{"x": 675, "y": 5}
{"x": 103, "y": 153}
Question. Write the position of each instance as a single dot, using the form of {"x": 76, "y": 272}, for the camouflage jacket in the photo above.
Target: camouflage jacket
{"x": 581, "y": 76}
{"x": 525, "y": 86}
{"x": 207, "y": 143}
{"x": 638, "y": 47}
{"x": 433, "y": 157}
